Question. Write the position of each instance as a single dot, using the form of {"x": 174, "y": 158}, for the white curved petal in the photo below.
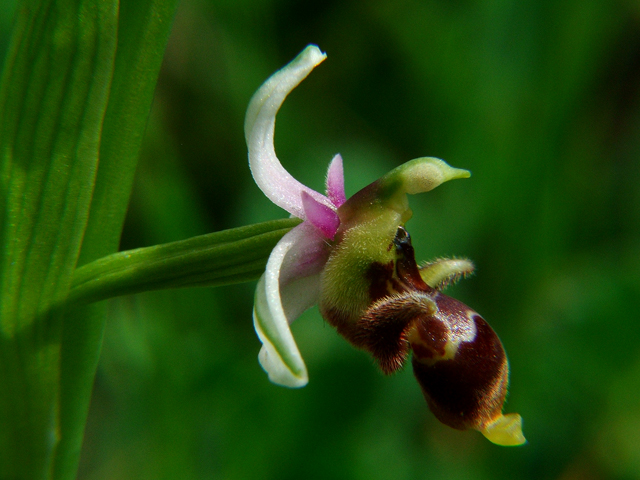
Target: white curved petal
{"x": 290, "y": 285}
{"x": 279, "y": 355}
{"x": 276, "y": 183}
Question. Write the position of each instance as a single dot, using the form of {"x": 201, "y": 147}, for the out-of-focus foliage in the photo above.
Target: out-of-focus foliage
{"x": 539, "y": 99}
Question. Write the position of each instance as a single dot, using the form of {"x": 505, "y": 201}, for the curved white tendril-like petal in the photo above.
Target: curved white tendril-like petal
{"x": 290, "y": 285}
{"x": 276, "y": 183}
{"x": 335, "y": 182}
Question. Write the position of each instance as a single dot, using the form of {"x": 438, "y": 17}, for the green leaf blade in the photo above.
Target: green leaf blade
{"x": 50, "y": 151}
{"x": 142, "y": 37}
{"x": 143, "y": 31}
{"x": 53, "y": 98}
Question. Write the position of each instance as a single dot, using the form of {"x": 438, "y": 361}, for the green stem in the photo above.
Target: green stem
{"x": 219, "y": 258}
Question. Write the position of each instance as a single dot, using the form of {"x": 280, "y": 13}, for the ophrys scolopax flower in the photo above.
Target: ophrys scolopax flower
{"x": 354, "y": 259}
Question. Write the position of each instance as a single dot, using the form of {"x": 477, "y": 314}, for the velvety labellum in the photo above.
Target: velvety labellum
{"x": 465, "y": 385}
{"x": 458, "y": 359}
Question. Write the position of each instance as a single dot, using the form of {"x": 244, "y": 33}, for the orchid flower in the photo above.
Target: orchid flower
{"x": 354, "y": 259}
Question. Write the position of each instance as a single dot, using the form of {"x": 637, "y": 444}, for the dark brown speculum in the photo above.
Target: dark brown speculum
{"x": 469, "y": 389}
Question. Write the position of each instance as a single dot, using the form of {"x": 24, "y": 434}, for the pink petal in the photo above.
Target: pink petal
{"x": 335, "y": 182}
{"x": 320, "y": 216}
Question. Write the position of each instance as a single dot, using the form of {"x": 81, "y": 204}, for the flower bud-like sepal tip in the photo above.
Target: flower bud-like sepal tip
{"x": 423, "y": 174}
{"x": 390, "y": 191}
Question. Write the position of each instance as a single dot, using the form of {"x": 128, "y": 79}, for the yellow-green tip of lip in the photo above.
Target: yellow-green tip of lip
{"x": 506, "y": 430}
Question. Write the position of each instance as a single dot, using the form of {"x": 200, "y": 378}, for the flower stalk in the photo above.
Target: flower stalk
{"x": 220, "y": 258}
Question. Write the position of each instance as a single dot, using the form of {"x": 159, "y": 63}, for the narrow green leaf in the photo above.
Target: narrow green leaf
{"x": 53, "y": 98}
{"x": 142, "y": 37}
{"x": 143, "y": 30}
{"x": 220, "y": 258}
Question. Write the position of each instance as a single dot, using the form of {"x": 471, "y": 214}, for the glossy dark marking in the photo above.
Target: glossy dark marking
{"x": 453, "y": 311}
{"x": 468, "y": 390}
{"x": 433, "y": 336}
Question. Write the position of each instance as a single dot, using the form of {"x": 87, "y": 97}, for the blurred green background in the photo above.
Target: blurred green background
{"x": 539, "y": 99}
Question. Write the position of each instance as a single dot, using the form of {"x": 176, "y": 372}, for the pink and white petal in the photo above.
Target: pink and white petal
{"x": 289, "y": 286}
{"x": 276, "y": 183}
{"x": 320, "y": 216}
{"x": 335, "y": 182}
{"x": 306, "y": 257}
